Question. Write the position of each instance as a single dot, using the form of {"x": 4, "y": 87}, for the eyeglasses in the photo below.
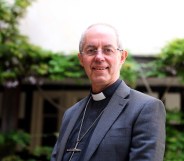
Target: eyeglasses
{"x": 105, "y": 51}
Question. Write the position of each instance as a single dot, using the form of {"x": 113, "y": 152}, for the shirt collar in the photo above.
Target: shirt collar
{"x": 98, "y": 97}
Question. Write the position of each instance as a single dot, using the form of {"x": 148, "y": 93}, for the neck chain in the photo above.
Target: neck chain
{"x": 79, "y": 138}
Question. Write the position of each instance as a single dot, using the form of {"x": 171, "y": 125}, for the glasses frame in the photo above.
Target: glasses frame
{"x": 102, "y": 50}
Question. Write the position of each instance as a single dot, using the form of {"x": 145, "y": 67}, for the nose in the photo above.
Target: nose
{"x": 99, "y": 56}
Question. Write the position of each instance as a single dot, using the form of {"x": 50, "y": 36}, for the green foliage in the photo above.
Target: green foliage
{"x": 13, "y": 45}
{"x": 11, "y": 142}
{"x": 43, "y": 151}
{"x": 14, "y": 146}
{"x": 62, "y": 66}
{"x": 174, "y": 137}
{"x": 10, "y": 14}
{"x": 130, "y": 71}
{"x": 170, "y": 62}
{"x": 20, "y": 62}
{"x": 12, "y": 158}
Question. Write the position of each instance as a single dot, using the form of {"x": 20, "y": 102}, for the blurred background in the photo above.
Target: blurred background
{"x": 145, "y": 26}
{"x": 40, "y": 76}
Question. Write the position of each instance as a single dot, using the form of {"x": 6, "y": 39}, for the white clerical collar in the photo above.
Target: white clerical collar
{"x": 98, "y": 97}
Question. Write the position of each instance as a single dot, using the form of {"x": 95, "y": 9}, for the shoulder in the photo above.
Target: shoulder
{"x": 138, "y": 100}
{"x": 141, "y": 96}
{"x": 144, "y": 102}
{"x": 125, "y": 91}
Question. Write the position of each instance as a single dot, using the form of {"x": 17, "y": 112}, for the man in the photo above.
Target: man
{"x": 115, "y": 122}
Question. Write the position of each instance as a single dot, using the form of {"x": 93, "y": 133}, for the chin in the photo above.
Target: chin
{"x": 101, "y": 80}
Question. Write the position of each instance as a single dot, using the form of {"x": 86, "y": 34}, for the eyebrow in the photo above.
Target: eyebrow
{"x": 90, "y": 46}
{"x": 94, "y": 46}
{"x": 109, "y": 45}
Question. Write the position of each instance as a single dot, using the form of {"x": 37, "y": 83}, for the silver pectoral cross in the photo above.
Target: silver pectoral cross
{"x": 75, "y": 149}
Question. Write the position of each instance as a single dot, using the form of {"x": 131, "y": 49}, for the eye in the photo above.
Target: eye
{"x": 91, "y": 51}
{"x": 108, "y": 51}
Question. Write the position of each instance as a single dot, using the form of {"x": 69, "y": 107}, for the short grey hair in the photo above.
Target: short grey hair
{"x": 82, "y": 39}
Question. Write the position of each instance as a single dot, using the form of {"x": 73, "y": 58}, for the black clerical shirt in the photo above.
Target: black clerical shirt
{"x": 94, "y": 108}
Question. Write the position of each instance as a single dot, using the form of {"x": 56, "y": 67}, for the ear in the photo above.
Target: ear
{"x": 80, "y": 59}
{"x": 124, "y": 55}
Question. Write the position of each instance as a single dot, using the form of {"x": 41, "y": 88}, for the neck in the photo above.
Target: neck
{"x": 97, "y": 88}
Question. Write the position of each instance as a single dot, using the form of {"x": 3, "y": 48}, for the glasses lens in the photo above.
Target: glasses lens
{"x": 106, "y": 51}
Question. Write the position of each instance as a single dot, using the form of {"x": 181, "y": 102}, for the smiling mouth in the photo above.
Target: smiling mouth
{"x": 100, "y": 68}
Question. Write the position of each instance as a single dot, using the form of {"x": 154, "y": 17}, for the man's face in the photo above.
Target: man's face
{"x": 102, "y": 69}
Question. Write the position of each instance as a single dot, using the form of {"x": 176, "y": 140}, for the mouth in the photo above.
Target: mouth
{"x": 100, "y": 68}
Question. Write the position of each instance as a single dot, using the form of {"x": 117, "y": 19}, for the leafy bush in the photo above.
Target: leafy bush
{"x": 130, "y": 71}
{"x": 12, "y": 142}
{"x": 174, "y": 137}
{"x": 170, "y": 61}
{"x": 14, "y": 146}
{"x": 44, "y": 152}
